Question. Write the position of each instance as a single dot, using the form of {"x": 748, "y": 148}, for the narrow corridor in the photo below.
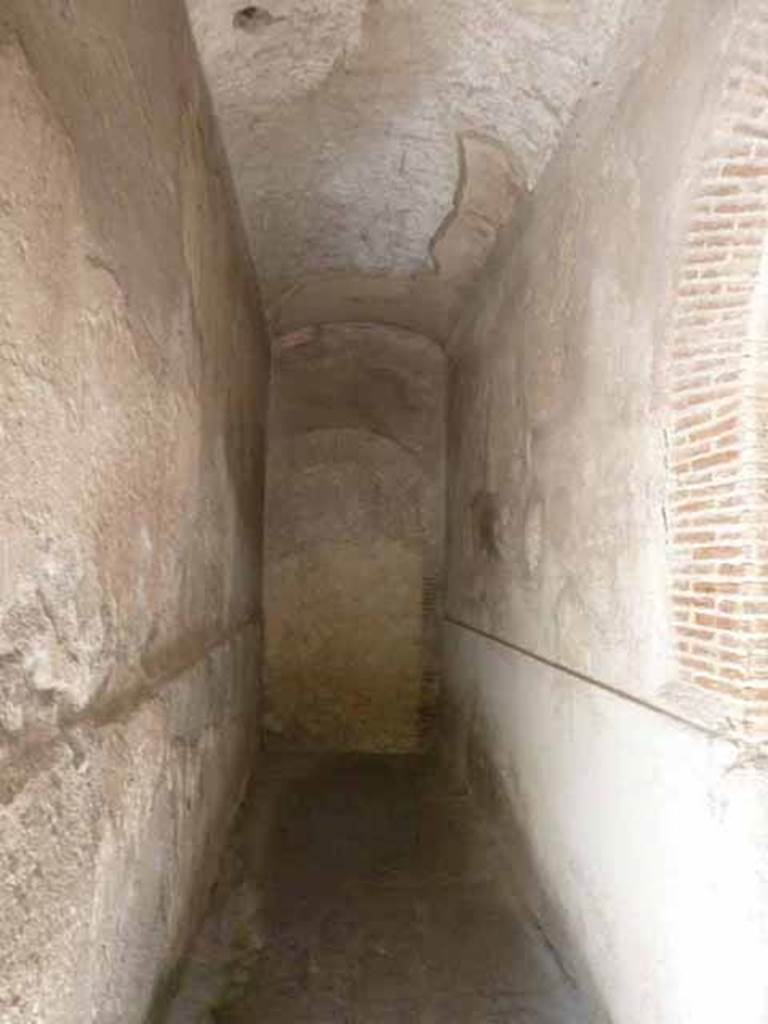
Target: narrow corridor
{"x": 381, "y": 376}
{"x": 367, "y": 894}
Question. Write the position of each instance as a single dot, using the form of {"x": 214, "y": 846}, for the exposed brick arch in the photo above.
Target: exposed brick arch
{"x": 718, "y": 446}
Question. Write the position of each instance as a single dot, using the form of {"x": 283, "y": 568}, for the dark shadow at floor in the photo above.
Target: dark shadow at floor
{"x": 360, "y": 891}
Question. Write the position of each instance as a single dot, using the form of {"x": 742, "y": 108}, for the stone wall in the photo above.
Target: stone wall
{"x": 637, "y": 798}
{"x": 133, "y": 365}
{"x": 354, "y": 537}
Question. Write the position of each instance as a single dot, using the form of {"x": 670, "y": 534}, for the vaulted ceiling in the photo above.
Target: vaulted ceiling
{"x": 378, "y": 145}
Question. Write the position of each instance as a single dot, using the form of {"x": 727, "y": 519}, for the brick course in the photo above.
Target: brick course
{"x": 717, "y": 499}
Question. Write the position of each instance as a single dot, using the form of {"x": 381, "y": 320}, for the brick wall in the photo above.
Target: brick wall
{"x": 717, "y": 509}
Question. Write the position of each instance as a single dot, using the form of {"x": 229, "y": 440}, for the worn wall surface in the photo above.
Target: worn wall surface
{"x": 354, "y": 537}
{"x": 639, "y": 842}
{"x": 560, "y": 399}
{"x": 132, "y": 374}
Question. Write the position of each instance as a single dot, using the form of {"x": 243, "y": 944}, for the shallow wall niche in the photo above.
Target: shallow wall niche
{"x": 354, "y": 538}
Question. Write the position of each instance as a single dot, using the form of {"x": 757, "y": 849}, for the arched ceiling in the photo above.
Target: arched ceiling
{"x": 378, "y": 145}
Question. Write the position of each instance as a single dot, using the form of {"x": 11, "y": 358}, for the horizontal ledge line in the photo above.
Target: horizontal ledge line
{"x": 21, "y": 759}
{"x": 642, "y": 702}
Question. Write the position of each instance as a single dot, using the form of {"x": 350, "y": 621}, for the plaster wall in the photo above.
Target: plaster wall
{"x": 344, "y": 121}
{"x": 132, "y": 399}
{"x": 645, "y": 834}
{"x": 638, "y": 841}
{"x": 353, "y": 538}
{"x": 557, "y": 410}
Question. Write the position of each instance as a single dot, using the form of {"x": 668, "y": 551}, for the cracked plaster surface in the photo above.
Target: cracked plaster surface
{"x": 345, "y": 123}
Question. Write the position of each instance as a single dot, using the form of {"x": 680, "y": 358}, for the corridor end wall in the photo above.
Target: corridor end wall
{"x": 353, "y": 539}
{"x": 133, "y": 369}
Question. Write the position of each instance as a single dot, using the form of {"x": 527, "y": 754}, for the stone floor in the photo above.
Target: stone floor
{"x": 355, "y": 893}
